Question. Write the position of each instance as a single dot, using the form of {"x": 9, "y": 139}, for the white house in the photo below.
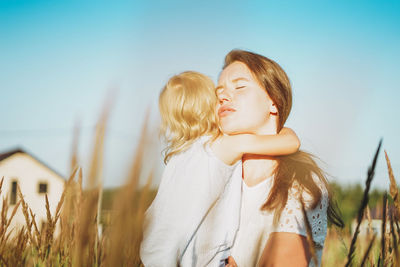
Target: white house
{"x": 375, "y": 225}
{"x": 35, "y": 179}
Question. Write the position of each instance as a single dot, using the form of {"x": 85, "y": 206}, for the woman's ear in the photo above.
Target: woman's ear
{"x": 273, "y": 110}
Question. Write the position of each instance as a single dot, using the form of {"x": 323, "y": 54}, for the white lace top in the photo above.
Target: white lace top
{"x": 256, "y": 225}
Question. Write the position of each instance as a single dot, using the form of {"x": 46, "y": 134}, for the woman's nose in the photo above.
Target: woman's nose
{"x": 224, "y": 97}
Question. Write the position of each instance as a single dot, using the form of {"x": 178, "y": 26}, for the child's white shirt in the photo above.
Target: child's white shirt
{"x": 195, "y": 216}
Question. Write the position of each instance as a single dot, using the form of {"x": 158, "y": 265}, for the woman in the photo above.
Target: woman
{"x": 273, "y": 230}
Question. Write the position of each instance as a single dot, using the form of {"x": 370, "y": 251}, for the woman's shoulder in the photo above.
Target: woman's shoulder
{"x": 292, "y": 217}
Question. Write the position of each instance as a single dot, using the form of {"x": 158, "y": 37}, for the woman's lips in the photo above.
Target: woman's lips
{"x": 225, "y": 111}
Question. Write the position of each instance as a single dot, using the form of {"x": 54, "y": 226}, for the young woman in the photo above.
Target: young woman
{"x": 258, "y": 95}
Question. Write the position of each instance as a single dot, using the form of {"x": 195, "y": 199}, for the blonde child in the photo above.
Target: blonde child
{"x": 197, "y": 187}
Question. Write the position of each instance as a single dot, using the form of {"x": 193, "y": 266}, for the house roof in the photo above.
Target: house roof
{"x": 377, "y": 212}
{"x": 9, "y": 153}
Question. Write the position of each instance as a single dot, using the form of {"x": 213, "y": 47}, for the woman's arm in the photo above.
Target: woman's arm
{"x": 231, "y": 148}
{"x": 282, "y": 249}
{"x": 285, "y": 249}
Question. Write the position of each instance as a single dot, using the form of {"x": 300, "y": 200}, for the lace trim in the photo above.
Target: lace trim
{"x": 292, "y": 219}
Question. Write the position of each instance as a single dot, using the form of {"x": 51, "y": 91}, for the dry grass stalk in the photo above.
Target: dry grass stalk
{"x": 397, "y": 226}
{"x": 65, "y": 241}
{"x": 384, "y": 239}
{"x": 366, "y": 255}
{"x": 1, "y": 183}
{"x": 371, "y": 261}
{"x": 60, "y": 204}
{"x": 139, "y": 220}
{"x": 27, "y": 219}
{"x": 364, "y": 203}
{"x": 20, "y": 242}
{"x": 66, "y": 216}
{"x": 395, "y": 242}
{"x": 43, "y": 238}
{"x": 124, "y": 235}
{"x": 7, "y": 251}
{"x": 394, "y": 192}
{"x": 74, "y": 152}
{"x": 3, "y": 261}
{"x": 87, "y": 215}
{"x": 388, "y": 246}
{"x": 87, "y": 240}
{"x": 35, "y": 227}
{"x": 75, "y": 227}
{"x": 49, "y": 228}
{"x": 339, "y": 234}
{"x": 86, "y": 229}
{"x": 3, "y": 217}
{"x": 4, "y": 225}
{"x": 13, "y": 213}
{"x": 5, "y": 222}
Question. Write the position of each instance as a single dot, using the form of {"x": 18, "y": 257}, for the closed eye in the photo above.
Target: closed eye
{"x": 240, "y": 87}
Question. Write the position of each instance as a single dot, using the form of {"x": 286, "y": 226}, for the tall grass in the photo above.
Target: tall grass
{"x": 383, "y": 253}
{"x": 363, "y": 205}
{"x": 78, "y": 241}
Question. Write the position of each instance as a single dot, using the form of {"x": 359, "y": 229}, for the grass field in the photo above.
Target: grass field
{"x": 81, "y": 244}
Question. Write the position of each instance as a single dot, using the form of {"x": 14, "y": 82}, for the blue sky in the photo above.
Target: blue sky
{"x": 59, "y": 59}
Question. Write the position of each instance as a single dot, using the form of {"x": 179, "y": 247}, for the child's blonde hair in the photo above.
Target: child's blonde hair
{"x": 187, "y": 106}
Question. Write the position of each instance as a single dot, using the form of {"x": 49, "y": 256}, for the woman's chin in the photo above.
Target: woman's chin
{"x": 228, "y": 129}
{"x": 232, "y": 130}
{"x": 234, "y": 127}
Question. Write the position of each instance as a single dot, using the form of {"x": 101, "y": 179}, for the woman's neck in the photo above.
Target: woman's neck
{"x": 257, "y": 168}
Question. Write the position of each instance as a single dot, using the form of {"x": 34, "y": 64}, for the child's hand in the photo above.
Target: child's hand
{"x": 293, "y": 137}
{"x": 231, "y": 262}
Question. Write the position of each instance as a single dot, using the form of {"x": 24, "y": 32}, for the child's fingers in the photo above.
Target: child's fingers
{"x": 231, "y": 262}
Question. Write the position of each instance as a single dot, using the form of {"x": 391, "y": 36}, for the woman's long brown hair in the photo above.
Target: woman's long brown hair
{"x": 300, "y": 166}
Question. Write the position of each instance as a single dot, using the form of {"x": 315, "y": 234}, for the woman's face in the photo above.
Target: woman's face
{"x": 243, "y": 106}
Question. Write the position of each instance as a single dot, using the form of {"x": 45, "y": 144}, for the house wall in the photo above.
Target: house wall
{"x": 376, "y": 225}
{"x": 29, "y": 172}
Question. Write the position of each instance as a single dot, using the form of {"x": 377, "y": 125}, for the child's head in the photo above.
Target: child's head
{"x": 187, "y": 106}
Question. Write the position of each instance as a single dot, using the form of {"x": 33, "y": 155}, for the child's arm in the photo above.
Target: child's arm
{"x": 231, "y": 148}
{"x": 284, "y": 143}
